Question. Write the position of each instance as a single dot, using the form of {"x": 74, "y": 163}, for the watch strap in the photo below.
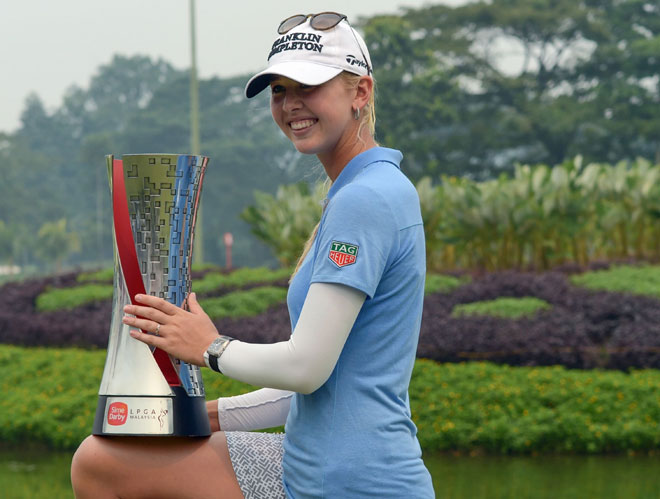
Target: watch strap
{"x": 213, "y": 357}
{"x": 213, "y": 363}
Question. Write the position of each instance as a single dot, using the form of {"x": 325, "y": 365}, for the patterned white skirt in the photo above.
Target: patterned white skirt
{"x": 257, "y": 462}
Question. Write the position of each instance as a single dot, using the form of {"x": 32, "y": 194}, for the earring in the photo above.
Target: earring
{"x": 356, "y": 113}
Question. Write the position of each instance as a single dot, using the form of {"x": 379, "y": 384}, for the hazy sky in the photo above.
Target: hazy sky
{"x": 48, "y": 45}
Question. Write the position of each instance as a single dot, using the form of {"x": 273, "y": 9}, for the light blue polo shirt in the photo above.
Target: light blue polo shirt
{"x": 353, "y": 437}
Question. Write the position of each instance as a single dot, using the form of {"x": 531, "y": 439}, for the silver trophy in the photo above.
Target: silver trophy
{"x": 145, "y": 391}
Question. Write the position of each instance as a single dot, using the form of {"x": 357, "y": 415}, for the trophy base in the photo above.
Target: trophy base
{"x": 126, "y": 415}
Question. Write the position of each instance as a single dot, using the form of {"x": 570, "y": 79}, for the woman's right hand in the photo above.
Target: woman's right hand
{"x": 212, "y": 411}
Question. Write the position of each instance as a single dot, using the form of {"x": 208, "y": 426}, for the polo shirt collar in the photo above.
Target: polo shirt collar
{"x": 359, "y": 162}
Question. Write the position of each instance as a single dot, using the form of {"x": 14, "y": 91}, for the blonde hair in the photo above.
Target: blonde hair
{"x": 310, "y": 240}
{"x": 368, "y": 112}
{"x": 368, "y": 119}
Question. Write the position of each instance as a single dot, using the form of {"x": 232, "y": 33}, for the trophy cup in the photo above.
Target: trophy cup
{"x": 145, "y": 391}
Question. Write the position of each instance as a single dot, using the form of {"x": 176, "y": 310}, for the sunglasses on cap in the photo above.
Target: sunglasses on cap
{"x": 322, "y": 22}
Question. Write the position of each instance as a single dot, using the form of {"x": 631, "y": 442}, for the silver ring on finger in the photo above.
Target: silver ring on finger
{"x": 157, "y": 331}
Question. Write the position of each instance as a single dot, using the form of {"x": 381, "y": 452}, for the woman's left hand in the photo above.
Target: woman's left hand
{"x": 184, "y": 334}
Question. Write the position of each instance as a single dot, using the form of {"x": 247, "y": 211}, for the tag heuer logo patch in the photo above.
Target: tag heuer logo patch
{"x": 343, "y": 254}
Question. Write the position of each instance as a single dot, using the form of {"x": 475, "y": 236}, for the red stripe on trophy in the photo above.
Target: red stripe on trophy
{"x": 129, "y": 261}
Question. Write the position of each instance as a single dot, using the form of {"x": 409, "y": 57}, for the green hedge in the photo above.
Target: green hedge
{"x": 244, "y": 303}
{"x": 511, "y": 308}
{"x": 440, "y": 283}
{"x": 69, "y": 298}
{"x": 241, "y": 277}
{"x": 50, "y": 395}
{"x": 235, "y": 304}
{"x": 104, "y": 276}
{"x": 503, "y": 409}
{"x": 639, "y": 280}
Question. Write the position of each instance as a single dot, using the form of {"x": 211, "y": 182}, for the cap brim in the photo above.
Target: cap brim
{"x": 305, "y": 72}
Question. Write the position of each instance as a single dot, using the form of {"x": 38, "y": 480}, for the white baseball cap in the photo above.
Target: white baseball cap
{"x": 312, "y": 56}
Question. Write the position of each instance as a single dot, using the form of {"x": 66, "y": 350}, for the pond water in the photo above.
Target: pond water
{"x": 27, "y": 474}
{"x": 545, "y": 477}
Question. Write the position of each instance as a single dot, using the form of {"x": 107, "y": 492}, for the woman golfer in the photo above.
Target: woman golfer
{"x": 340, "y": 383}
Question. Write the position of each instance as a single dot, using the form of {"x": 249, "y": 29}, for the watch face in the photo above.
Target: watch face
{"x": 216, "y": 346}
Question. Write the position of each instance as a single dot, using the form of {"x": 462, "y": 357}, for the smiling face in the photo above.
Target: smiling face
{"x": 317, "y": 119}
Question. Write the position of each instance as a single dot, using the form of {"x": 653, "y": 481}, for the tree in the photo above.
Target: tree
{"x": 621, "y": 78}
{"x": 475, "y": 89}
{"x": 29, "y": 191}
{"x": 41, "y": 131}
{"x": 6, "y": 243}
{"x": 419, "y": 95}
{"x": 54, "y": 166}
{"x": 115, "y": 93}
{"x": 55, "y": 243}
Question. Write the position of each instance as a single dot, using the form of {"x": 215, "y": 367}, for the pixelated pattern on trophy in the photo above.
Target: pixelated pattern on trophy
{"x": 161, "y": 199}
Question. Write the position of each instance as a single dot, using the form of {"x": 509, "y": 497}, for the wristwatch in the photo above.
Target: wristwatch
{"x": 215, "y": 350}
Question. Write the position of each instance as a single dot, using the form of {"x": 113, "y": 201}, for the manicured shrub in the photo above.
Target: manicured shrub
{"x": 207, "y": 278}
{"x": 214, "y": 281}
{"x": 202, "y": 268}
{"x": 640, "y": 280}
{"x": 441, "y": 283}
{"x": 512, "y": 308}
{"x": 465, "y": 407}
{"x": 21, "y": 324}
{"x": 243, "y": 303}
{"x": 54, "y": 401}
{"x": 513, "y": 410}
{"x": 103, "y": 276}
{"x": 583, "y": 329}
{"x": 70, "y": 298}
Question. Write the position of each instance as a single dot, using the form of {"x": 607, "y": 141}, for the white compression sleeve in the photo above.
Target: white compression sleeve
{"x": 265, "y": 408}
{"x": 306, "y": 361}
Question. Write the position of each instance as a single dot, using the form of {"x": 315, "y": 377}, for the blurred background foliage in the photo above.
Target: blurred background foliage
{"x": 538, "y": 217}
{"x": 468, "y": 94}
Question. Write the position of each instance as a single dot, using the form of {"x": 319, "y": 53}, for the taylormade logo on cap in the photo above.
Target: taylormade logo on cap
{"x": 312, "y": 57}
{"x": 354, "y": 61}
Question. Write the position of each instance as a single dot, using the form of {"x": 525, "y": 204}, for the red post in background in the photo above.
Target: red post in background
{"x": 228, "y": 240}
